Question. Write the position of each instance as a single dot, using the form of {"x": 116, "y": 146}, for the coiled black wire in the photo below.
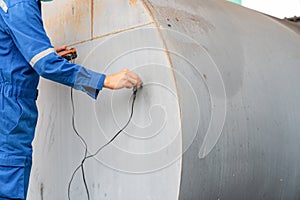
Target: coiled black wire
{"x": 81, "y": 166}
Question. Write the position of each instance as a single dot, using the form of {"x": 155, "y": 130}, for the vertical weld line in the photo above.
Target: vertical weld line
{"x": 148, "y": 5}
{"x": 92, "y": 19}
{"x": 151, "y": 9}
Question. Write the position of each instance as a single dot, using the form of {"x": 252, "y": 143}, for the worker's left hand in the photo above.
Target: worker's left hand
{"x": 61, "y": 48}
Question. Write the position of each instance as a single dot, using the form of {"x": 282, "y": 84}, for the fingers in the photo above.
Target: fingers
{"x": 123, "y": 79}
{"x": 134, "y": 79}
{"x": 60, "y": 48}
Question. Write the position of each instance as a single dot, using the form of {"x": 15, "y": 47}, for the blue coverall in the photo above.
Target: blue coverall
{"x": 25, "y": 54}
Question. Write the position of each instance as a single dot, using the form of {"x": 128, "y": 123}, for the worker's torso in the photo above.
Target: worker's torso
{"x": 18, "y": 92}
{"x": 14, "y": 69}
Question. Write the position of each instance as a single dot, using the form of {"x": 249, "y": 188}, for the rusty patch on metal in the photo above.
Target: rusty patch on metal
{"x": 92, "y": 18}
{"x": 132, "y": 2}
{"x": 73, "y": 18}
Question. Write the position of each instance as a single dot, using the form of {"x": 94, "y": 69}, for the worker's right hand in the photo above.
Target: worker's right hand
{"x": 122, "y": 79}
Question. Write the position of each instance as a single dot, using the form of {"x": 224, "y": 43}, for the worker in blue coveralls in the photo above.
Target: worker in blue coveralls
{"x": 25, "y": 54}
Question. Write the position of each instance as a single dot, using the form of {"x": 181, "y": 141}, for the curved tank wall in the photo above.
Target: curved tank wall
{"x": 217, "y": 117}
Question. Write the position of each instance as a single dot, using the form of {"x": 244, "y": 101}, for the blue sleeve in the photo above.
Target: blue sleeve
{"x": 25, "y": 26}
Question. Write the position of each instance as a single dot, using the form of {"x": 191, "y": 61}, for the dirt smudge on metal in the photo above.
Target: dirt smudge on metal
{"x": 188, "y": 21}
{"x": 42, "y": 191}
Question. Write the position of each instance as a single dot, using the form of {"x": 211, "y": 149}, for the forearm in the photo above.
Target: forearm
{"x": 57, "y": 69}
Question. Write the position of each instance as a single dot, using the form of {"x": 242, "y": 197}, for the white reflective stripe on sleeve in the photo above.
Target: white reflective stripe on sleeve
{"x": 3, "y": 6}
{"x": 41, "y": 55}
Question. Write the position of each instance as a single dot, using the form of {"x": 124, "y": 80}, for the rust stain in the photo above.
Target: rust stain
{"x": 71, "y": 19}
{"x": 132, "y": 2}
{"x": 92, "y": 18}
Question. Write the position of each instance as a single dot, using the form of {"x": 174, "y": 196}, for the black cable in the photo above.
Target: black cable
{"x": 86, "y": 147}
{"x": 118, "y": 133}
{"x": 85, "y": 152}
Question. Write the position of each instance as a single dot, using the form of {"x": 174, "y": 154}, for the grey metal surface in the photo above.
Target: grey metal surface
{"x": 144, "y": 162}
{"x": 220, "y": 89}
{"x": 257, "y": 155}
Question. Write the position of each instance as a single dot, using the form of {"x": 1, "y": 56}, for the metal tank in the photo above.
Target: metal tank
{"x": 217, "y": 118}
